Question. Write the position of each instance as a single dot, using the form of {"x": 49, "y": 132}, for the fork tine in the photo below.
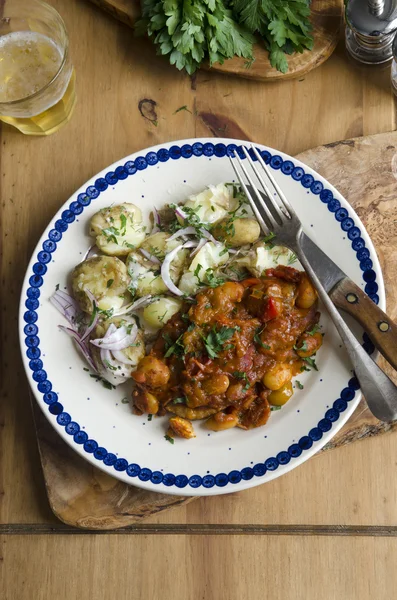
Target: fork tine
{"x": 274, "y": 183}
{"x": 257, "y": 214}
{"x": 268, "y": 192}
{"x": 261, "y": 206}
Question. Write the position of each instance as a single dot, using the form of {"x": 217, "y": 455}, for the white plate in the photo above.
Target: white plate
{"x": 95, "y": 422}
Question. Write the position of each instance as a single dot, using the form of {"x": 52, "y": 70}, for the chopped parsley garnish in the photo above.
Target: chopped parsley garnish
{"x": 123, "y": 221}
{"x": 212, "y": 280}
{"x": 125, "y": 400}
{"x": 125, "y": 243}
{"x": 215, "y": 340}
{"x": 85, "y": 369}
{"x": 272, "y": 408}
{"x": 109, "y": 366}
{"x": 292, "y": 258}
{"x": 105, "y": 383}
{"x": 191, "y": 326}
{"x": 223, "y": 252}
{"x": 314, "y": 330}
{"x": 110, "y": 233}
{"x": 182, "y": 108}
{"x": 169, "y": 438}
{"x": 176, "y": 347}
{"x": 298, "y": 384}
{"x": 57, "y": 287}
{"x": 303, "y": 348}
{"x": 258, "y": 340}
{"x": 243, "y": 376}
{"x": 269, "y": 237}
{"x": 109, "y": 283}
{"x": 197, "y": 271}
{"x": 149, "y": 417}
{"x": 180, "y": 400}
{"x": 311, "y": 363}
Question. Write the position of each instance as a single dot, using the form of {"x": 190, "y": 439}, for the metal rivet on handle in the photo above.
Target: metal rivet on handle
{"x": 383, "y": 326}
{"x": 352, "y": 298}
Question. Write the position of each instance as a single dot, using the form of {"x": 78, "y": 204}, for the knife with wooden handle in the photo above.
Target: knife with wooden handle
{"x": 349, "y": 297}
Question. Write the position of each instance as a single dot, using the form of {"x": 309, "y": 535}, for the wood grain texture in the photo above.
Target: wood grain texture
{"x": 84, "y": 496}
{"x": 380, "y": 328}
{"x": 326, "y": 20}
{"x": 198, "y": 567}
{"x": 116, "y": 75}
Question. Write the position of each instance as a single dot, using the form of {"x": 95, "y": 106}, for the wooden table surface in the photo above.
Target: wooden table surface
{"x": 326, "y": 529}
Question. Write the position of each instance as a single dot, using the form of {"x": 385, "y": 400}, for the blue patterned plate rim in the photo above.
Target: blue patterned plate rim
{"x": 128, "y": 470}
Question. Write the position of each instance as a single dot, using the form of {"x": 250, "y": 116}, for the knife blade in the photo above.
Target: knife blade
{"x": 326, "y": 270}
{"x": 348, "y": 296}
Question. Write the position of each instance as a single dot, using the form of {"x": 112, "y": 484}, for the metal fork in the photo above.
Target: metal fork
{"x": 280, "y": 218}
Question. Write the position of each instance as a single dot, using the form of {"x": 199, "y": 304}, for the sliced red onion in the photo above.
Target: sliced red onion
{"x": 116, "y": 338}
{"x": 201, "y": 243}
{"x": 190, "y": 244}
{"x": 93, "y": 251}
{"x": 165, "y": 270}
{"x": 186, "y": 231}
{"x": 94, "y": 320}
{"x": 156, "y": 220}
{"x": 150, "y": 257}
{"x": 121, "y": 357}
{"x": 141, "y": 303}
{"x": 66, "y": 305}
{"x": 179, "y": 213}
{"x": 82, "y": 347}
{"x": 207, "y": 234}
{"x": 111, "y": 371}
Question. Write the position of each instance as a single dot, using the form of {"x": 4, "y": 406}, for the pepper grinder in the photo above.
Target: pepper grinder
{"x": 370, "y": 29}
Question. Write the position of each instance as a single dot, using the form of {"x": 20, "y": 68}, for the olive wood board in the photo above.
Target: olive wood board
{"x": 365, "y": 171}
{"x": 326, "y": 18}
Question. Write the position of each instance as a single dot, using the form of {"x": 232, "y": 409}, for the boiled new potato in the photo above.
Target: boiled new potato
{"x": 263, "y": 256}
{"x": 159, "y": 312}
{"x": 145, "y": 276}
{"x": 212, "y": 204}
{"x": 238, "y": 232}
{"x": 206, "y": 260}
{"x": 118, "y": 229}
{"x": 106, "y": 277}
{"x": 159, "y": 245}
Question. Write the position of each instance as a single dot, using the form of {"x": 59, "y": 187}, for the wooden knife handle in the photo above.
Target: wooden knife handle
{"x": 380, "y": 328}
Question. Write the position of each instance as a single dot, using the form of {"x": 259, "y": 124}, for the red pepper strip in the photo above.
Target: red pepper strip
{"x": 287, "y": 273}
{"x": 250, "y": 282}
{"x": 271, "y": 310}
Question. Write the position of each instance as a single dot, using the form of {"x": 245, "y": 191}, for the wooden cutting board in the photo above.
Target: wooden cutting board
{"x": 365, "y": 171}
{"x": 326, "y": 20}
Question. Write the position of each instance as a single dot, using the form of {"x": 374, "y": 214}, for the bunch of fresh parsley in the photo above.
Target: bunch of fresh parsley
{"x": 190, "y": 31}
{"x": 283, "y": 24}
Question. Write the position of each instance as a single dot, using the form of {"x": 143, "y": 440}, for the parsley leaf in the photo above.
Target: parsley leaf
{"x": 311, "y": 363}
{"x": 180, "y": 400}
{"x": 298, "y": 384}
{"x": 169, "y": 438}
{"x": 258, "y": 340}
{"x": 284, "y": 26}
{"x": 243, "y": 376}
{"x": 109, "y": 282}
{"x": 190, "y": 32}
{"x": 176, "y": 347}
{"x": 272, "y": 408}
{"x": 215, "y": 340}
{"x": 314, "y": 330}
{"x": 182, "y": 108}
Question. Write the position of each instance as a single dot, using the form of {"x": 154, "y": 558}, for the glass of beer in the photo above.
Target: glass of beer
{"x": 37, "y": 79}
